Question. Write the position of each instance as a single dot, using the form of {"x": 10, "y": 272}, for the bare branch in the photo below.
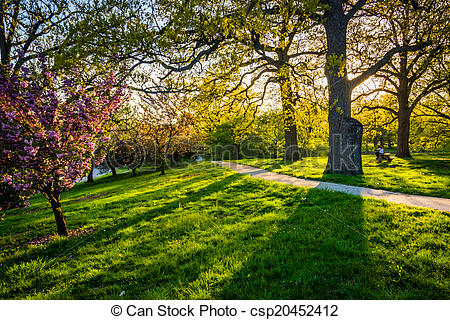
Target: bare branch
{"x": 356, "y": 7}
{"x": 383, "y": 61}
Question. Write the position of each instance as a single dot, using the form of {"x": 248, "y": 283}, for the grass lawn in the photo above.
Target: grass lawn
{"x": 425, "y": 174}
{"x": 209, "y": 233}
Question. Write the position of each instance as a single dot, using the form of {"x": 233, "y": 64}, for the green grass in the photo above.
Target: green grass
{"x": 209, "y": 233}
{"x": 425, "y": 174}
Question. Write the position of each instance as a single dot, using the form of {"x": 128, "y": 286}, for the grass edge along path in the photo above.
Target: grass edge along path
{"x": 436, "y": 203}
{"x": 425, "y": 174}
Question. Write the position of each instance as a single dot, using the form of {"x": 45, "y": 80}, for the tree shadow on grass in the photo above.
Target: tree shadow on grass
{"x": 322, "y": 251}
{"x": 314, "y": 251}
{"x": 62, "y": 252}
{"x": 439, "y": 167}
{"x": 318, "y": 252}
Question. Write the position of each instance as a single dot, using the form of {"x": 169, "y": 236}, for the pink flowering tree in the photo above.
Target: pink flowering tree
{"x": 49, "y": 127}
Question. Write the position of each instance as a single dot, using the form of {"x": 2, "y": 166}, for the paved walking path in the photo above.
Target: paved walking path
{"x": 395, "y": 197}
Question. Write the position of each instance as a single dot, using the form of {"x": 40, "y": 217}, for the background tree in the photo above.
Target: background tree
{"x": 409, "y": 76}
{"x": 430, "y": 122}
{"x": 269, "y": 126}
{"x": 313, "y": 125}
{"x": 163, "y": 118}
{"x": 380, "y": 125}
{"x": 223, "y": 119}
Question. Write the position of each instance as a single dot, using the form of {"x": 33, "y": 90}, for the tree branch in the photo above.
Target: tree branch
{"x": 383, "y": 61}
{"x": 355, "y": 9}
{"x": 378, "y": 108}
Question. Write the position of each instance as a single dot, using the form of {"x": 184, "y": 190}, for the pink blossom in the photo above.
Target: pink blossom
{"x": 53, "y": 135}
{"x": 48, "y": 137}
{"x": 31, "y": 151}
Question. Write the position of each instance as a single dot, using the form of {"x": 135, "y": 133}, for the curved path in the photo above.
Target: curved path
{"x": 395, "y": 197}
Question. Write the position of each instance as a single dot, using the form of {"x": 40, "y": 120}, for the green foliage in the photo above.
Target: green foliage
{"x": 335, "y": 65}
{"x": 269, "y": 125}
{"x": 222, "y": 135}
{"x": 312, "y": 126}
{"x": 224, "y": 142}
{"x": 430, "y": 123}
{"x": 380, "y": 125}
{"x": 430, "y": 134}
{"x": 207, "y": 233}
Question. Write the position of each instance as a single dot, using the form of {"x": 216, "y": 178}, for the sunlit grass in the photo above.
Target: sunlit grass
{"x": 426, "y": 174}
{"x": 208, "y": 233}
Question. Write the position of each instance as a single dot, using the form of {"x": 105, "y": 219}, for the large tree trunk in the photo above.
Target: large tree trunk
{"x": 292, "y": 152}
{"x": 345, "y": 133}
{"x": 54, "y": 199}
{"x": 403, "y": 134}
{"x": 404, "y": 113}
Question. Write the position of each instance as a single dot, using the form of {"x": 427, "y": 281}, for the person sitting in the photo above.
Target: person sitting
{"x": 379, "y": 153}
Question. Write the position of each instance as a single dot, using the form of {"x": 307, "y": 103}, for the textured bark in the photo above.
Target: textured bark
{"x": 403, "y": 134}
{"x": 404, "y": 113}
{"x": 345, "y": 133}
{"x": 292, "y": 152}
{"x": 54, "y": 199}
{"x": 345, "y": 147}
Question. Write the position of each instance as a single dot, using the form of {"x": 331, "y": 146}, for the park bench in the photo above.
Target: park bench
{"x": 385, "y": 156}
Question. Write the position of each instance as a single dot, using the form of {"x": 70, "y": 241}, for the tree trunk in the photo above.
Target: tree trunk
{"x": 111, "y": 166}
{"x": 403, "y": 134}
{"x": 292, "y": 152}
{"x": 163, "y": 168}
{"x": 54, "y": 199}
{"x": 90, "y": 177}
{"x": 404, "y": 112}
{"x": 345, "y": 133}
